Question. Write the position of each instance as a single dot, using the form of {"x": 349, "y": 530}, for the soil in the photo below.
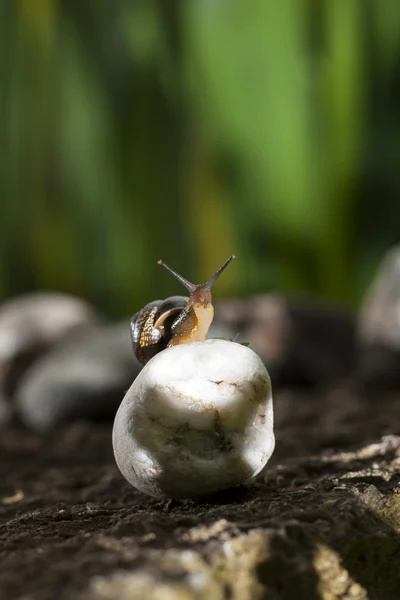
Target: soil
{"x": 323, "y": 524}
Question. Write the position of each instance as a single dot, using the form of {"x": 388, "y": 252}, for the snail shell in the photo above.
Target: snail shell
{"x": 151, "y": 327}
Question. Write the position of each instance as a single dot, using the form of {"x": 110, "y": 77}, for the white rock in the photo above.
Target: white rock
{"x": 197, "y": 419}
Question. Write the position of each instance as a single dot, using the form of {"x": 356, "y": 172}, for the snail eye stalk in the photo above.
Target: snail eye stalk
{"x": 191, "y": 287}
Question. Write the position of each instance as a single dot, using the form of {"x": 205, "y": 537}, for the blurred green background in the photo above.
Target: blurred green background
{"x": 133, "y": 130}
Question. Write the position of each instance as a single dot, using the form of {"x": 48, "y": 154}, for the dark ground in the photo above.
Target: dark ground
{"x": 322, "y": 526}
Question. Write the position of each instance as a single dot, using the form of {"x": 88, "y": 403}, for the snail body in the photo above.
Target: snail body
{"x": 199, "y": 417}
{"x": 176, "y": 320}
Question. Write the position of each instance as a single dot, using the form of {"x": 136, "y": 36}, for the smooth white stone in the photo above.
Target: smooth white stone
{"x": 198, "y": 419}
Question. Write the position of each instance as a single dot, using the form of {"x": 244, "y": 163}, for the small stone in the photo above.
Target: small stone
{"x": 300, "y": 341}
{"x": 197, "y": 420}
{"x": 83, "y": 378}
{"x": 29, "y": 326}
{"x": 378, "y": 329}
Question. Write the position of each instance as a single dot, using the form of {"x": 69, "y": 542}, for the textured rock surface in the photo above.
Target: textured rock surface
{"x": 29, "y": 326}
{"x": 324, "y": 525}
{"x": 300, "y": 341}
{"x": 84, "y": 378}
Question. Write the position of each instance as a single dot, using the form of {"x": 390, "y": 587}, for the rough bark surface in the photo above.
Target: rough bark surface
{"x": 324, "y": 524}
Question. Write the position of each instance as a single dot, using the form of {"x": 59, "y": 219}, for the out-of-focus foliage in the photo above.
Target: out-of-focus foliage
{"x": 138, "y": 129}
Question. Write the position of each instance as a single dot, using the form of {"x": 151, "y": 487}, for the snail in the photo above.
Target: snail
{"x": 199, "y": 416}
{"x": 176, "y": 320}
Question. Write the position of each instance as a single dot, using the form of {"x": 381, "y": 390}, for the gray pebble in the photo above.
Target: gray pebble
{"x": 378, "y": 330}
{"x": 29, "y": 326}
{"x": 84, "y": 378}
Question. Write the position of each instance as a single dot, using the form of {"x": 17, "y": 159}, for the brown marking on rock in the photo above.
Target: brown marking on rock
{"x": 195, "y": 401}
